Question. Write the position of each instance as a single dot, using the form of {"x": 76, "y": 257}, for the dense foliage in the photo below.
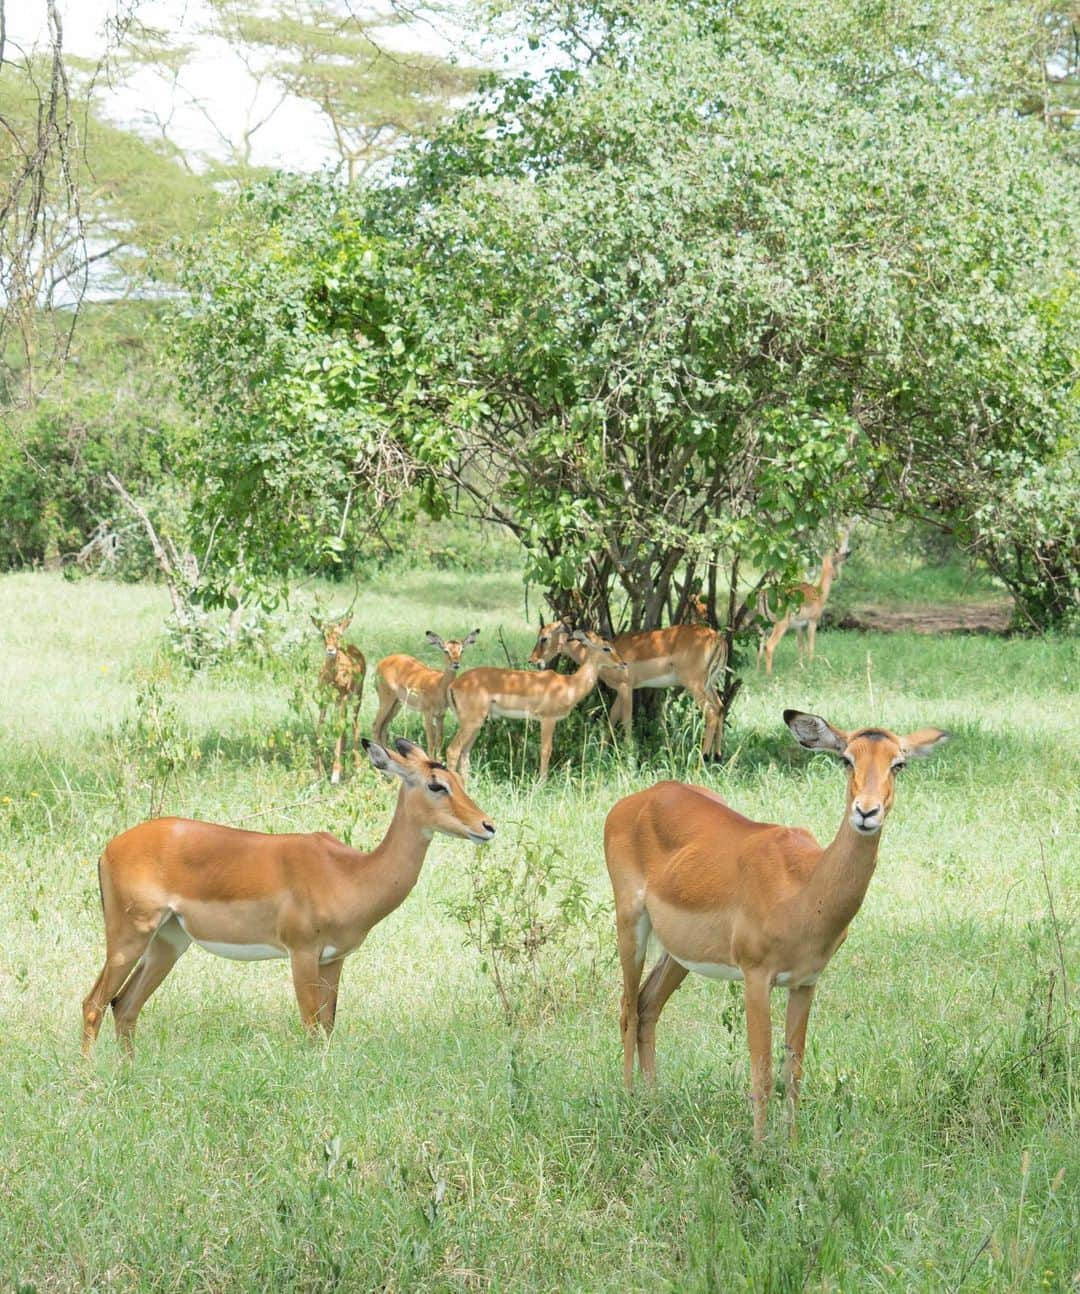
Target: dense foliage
{"x": 304, "y": 385}
{"x": 113, "y": 409}
{"x": 668, "y": 314}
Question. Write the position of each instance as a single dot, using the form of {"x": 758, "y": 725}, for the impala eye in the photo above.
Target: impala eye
{"x": 848, "y": 761}
{"x": 897, "y": 767}
{"x": 438, "y": 788}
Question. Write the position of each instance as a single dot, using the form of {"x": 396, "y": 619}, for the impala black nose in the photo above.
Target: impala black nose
{"x": 488, "y": 827}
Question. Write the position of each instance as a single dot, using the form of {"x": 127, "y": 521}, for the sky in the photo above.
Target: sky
{"x": 215, "y": 94}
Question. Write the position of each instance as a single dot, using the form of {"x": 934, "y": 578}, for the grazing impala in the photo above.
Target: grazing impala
{"x": 342, "y": 675}
{"x": 403, "y": 680}
{"x": 688, "y": 656}
{"x": 739, "y": 900}
{"x": 525, "y": 694}
{"x": 807, "y": 613}
{"x": 249, "y": 896}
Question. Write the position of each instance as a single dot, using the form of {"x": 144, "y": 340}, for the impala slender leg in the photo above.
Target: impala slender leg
{"x": 798, "y": 1013}
{"x": 633, "y": 934}
{"x": 388, "y": 707}
{"x": 664, "y": 978}
{"x": 773, "y": 641}
{"x": 356, "y": 731}
{"x": 718, "y": 730}
{"x": 165, "y": 950}
{"x": 759, "y": 1035}
{"x": 309, "y": 984}
{"x": 811, "y": 634}
{"x": 547, "y": 738}
{"x": 342, "y": 724}
{"x": 709, "y": 714}
{"x": 800, "y": 642}
{"x": 437, "y": 721}
{"x": 329, "y": 978}
{"x": 461, "y": 746}
{"x": 319, "y": 763}
{"x": 623, "y": 710}
{"x": 120, "y": 960}
{"x": 429, "y": 735}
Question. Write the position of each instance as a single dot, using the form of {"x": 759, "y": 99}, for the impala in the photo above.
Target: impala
{"x": 688, "y": 656}
{"x": 341, "y": 676}
{"x": 249, "y": 896}
{"x": 739, "y": 900}
{"x": 525, "y": 694}
{"x": 806, "y": 614}
{"x": 403, "y": 680}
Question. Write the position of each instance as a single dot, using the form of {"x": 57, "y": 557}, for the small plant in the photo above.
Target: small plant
{"x": 524, "y": 913}
{"x": 151, "y": 747}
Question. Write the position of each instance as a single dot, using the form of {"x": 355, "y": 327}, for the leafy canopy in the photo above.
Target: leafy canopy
{"x": 672, "y": 312}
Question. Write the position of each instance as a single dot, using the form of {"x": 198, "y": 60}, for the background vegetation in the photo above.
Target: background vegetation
{"x": 668, "y": 306}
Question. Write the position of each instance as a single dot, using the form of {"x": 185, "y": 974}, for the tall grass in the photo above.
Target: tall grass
{"x": 431, "y": 1146}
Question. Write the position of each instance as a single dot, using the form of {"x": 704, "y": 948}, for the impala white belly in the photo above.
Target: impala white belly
{"x": 234, "y": 952}
{"x": 711, "y": 970}
{"x": 670, "y": 679}
{"x": 242, "y": 952}
{"x": 717, "y": 970}
{"x": 248, "y": 952}
{"x": 502, "y": 712}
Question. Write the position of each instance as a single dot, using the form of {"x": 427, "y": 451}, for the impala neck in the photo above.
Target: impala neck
{"x": 445, "y": 679}
{"x": 839, "y": 883}
{"x": 394, "y": 864}
{"x": 583, "y": 679}
{"x": 828, "y": 574}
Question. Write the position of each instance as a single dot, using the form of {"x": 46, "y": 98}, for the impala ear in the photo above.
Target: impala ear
{"x": 919, "y": 745}
{"x": 434, "y": 639}
{"x": 469, "y": 639}
{"x": 813, "y": 732}
{"x": 409, "y": 749}
{"x": 383, "y": 760}
{"x": 316, "y": 624}
{"x": 344, "y": 622}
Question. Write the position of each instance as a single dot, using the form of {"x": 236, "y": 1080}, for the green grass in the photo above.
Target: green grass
{"x": 429, "y": 1147}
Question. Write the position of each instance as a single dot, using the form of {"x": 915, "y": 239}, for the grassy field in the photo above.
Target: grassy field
{"x": 435, "y": 1146}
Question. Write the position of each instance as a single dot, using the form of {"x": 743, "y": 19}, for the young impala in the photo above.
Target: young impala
{"x": 688, "y": 656}
{"x": 403, "y": 680}
{"x": 525, "y": 694}
{"x": 341, "y": 677}
{"x": 739, "y": 900}
{"x": 806, "y": 614}
{"x": 249, "y": 896}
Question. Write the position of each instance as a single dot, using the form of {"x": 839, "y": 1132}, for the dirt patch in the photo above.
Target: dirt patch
{"x": 943, "y": 618}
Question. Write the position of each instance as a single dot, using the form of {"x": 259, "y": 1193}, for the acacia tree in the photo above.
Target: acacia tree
{"x": 357, "y": 65}
{"x": 370, "y": 94}
{"x": 667, "y": 315}
{"x": 740, "y": 277}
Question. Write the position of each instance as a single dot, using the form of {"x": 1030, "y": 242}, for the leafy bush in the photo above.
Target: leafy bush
{"x": 111, "y": 410}
{"x": 525, "y": 914}
{"x": 665, "y": 315}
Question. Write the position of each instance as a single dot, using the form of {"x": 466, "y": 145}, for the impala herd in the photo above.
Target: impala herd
{"x": 719, "y": 894}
